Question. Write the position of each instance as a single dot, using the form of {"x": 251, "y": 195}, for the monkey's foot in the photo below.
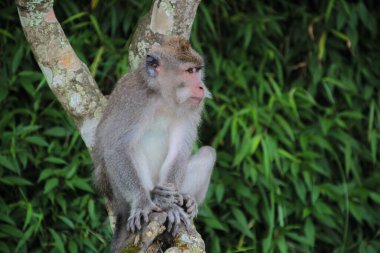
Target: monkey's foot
{"x": 175, "y": 215}
{"x": 167, "y": 195}
{"x": 190, "y": 206}
{"x": 139, "y": 216}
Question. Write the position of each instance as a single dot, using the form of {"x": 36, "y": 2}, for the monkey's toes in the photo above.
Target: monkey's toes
{"x": 138, "y": 217}
{"x": 190, "y": 206}
{"x": 175, "y": 216}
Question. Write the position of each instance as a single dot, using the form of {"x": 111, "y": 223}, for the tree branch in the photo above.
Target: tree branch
{"x": 153, "y": 238}
{"x": 166, "y": 17}
{"x": 68, "y": 77}
{"x": 72, "y": 83}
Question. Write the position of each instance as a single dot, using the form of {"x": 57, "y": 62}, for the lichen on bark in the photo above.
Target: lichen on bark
{"x": 68, "y": 77}
{"x": 166, "y": 17}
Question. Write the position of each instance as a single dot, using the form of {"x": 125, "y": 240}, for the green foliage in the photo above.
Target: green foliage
{"x": 295, "y": 120}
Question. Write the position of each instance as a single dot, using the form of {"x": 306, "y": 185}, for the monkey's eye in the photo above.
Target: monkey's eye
{"x": 193, "y": 70}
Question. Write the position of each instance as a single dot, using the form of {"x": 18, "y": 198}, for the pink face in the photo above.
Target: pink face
{"x": 192, "y": 89}
{"x": 181, "y": 83}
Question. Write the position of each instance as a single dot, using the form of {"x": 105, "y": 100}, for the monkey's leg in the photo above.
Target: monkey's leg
{"x": 192, "y": 185}
{"x": 128, "y": 187}
{"x": 170, "y": 200}
{"x": 197, "y": 178}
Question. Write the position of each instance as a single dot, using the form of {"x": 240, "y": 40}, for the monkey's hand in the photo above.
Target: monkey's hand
{"x": 139, "y": 215}
{"x": 166, "y": 196}
{"x": 190, "y": 206}
{"x": 175, "y": 215}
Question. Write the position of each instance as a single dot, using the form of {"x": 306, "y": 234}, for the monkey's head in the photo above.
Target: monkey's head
{"x": 175, "y": 70}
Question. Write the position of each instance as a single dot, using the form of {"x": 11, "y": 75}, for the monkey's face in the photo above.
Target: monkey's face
{"x": 175, "y": 70}
{"x": 182, "y": 84}
{"x": 190, "y": 88}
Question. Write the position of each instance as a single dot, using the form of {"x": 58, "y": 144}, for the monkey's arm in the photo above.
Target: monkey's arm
{"x": 197, "y": 179}
{"x": 128, "y": 188}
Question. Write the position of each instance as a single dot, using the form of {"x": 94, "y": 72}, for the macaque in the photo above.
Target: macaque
{"x": 143, "y": 152}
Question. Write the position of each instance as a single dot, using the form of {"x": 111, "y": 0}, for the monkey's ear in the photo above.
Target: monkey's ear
{"x": 152, "y": 64}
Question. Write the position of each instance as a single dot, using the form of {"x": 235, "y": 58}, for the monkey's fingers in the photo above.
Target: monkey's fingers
{"x": 190, "y": 201}
{"x": 170, "y": 220}
{"x": 179, "y": 199}
{"x": 134, "y": 221}
{"x": 138, "y": 221}
{"x": 131, "y": 225}
{"x": 177, "y": 220}
{"x": 192, "y": 211}
{"x": 145, "y": 216}
{"x": 191, "y": 207}
{"x": 185, "y": 219}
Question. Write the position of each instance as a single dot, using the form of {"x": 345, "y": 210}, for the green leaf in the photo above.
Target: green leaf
{"x": 25, "y": 237}
{"x": 4, "y": 248}
{"x": 56, "y": 132}
{"x": 38, "y": 140}
{"x": 242, "y": 223}
{"x": 73, "y": 248}
{"x": 95, "y": 24}
{"x": 255, "y": 143}
{"x": 28, "y": 86}
{"x": 55, "y": 160}
{"x": 208, "y": 19}
{"x": 28, "y": 216}
{"x": 310, "y": 232}
{"x": 15, "y": 181}
{"x": 375, "y": 197}
{"x": 17, "y": 59}
{"x": 91, "y": 209}
{"x": 75, "y": 17}
{"x": 329, "y": 8}
{"x": 96, "y": 62}
{"x": 5, "y": 162}
{"x": 81, "y": 184}
{"x": 57, "y": 241}
{"x": 245, "y": 147}
{"x": 6, "y": 34}
{"x": 50, "y": 185}
{"x": 373, "y": 141}
{"x": 11, "y": 230}
{"x": 215, "y": 224}
{"x": 46, "y": 173}
{"x": 322, "y": 46}
{"x": 67, "y": 221}
{"x": 281, "y": 244}
{"x": 219, "y": 192}
{"x": 363, "y": 13}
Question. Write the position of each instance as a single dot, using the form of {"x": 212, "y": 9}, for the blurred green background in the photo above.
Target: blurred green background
{"x": 295, "y": 120}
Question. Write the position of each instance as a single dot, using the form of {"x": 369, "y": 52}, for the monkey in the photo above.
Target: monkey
{"x": 143, "y": 144}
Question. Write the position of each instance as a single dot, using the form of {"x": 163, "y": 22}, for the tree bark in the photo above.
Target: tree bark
{"x": 71, "y": 82}
{"x": 166, "y": 17}
{"x": 68, "y": 77}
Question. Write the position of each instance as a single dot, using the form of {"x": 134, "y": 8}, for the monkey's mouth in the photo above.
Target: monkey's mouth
{"x": 194, "y": 100}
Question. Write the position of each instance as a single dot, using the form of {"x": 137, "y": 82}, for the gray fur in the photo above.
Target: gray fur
{"x": 137, "y": 102}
